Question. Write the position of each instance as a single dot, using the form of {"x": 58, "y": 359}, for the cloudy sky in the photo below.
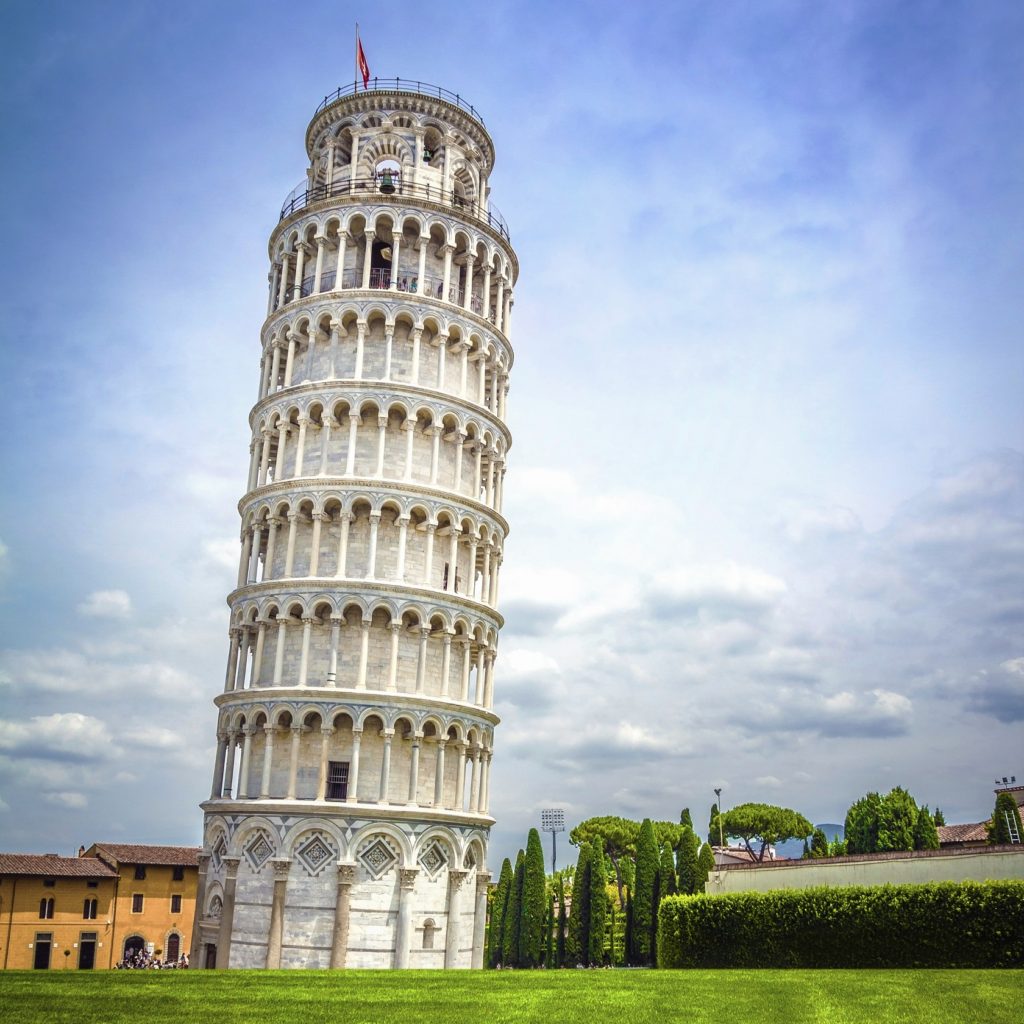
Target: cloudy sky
{"x": 767, "y": 488}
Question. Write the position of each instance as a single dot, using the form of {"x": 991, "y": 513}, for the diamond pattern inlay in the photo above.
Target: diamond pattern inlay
{"x": 217, "y": 854}
{"x": 258, "y": 852}
{"x": 378, "y": 857}
{"x": 316, "y": 854}
{"x": 434, "y": 859}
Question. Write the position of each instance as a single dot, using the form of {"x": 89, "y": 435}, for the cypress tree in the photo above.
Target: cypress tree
{"x": 499, "y": 904}
{"x": 686, "y": 861}
{"x": 685, "y": 819}
{"x": 627, "y": 941}
{"x": 705, "y": 865}
{"x": 713, "y": 831}
{"x": 819, "y": 844}
{"x": 598, "y": 904}
{"x": 667, "y": 870}
{"x": 579, "y": 912}
{"x": 644, "y": 895}
{"x": 940, "y": 818}
{"x": 999, "y": 827}
{"x": 562, "y": 924}
{"x": 513, "y": 915}
{"x": 926, "y": 836}
{"x": 534, "y": 903}
{"x": 806, "y": 855}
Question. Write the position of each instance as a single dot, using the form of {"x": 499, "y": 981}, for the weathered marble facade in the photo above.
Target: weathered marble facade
{"x": 348, "y": 819}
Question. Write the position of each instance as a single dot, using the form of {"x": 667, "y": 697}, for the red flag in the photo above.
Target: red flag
{"x": 364, "y": 68}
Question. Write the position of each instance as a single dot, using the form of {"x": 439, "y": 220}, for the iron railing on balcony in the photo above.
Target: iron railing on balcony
{"x": 400, "y": 85}
{"x": 391, "y": 184}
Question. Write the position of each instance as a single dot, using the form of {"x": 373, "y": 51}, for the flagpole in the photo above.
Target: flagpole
{"x": 355, "y": 81}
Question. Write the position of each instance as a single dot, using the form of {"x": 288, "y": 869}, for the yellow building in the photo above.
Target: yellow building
{"x": 155, "y": 901}
{"x": 90, "y": 911}
{"x": 56, "y": 912}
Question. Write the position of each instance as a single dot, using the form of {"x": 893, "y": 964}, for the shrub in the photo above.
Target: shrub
{"x": 941, "y": 924}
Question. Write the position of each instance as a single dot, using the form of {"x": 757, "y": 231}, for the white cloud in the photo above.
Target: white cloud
{"x": 223, "y": 553}
{"x": 70, "y": 799}
{"x": 107, "y": 604}
{"x": 69, "y": 736}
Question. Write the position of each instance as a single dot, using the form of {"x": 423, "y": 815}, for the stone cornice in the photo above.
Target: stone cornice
{"x": 384, "y": 296}
{"x": 306, "y": 484}
{"x": 357, "y": 698}
{"x": 290, "y": 588}
{"x": 336, "y": 808}
{"x": 382, "y": 390}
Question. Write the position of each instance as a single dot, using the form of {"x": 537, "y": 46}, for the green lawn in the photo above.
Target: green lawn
{"x": 435, "y": 997}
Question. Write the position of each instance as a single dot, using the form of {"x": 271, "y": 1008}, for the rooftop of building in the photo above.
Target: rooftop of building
{"x": 50, "y": 865}
{"x": 138, "y": 853}
{"x": 963, "y": 833}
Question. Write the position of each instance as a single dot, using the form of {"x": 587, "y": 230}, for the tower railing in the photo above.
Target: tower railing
{"x": 401, "y": 85}
{"x": 392, "y": 185}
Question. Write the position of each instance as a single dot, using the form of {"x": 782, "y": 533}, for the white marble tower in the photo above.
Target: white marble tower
{"x": 348, "y": 821}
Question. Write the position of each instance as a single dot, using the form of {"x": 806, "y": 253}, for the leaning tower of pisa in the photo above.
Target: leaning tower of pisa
{"x": 348, "y": 820}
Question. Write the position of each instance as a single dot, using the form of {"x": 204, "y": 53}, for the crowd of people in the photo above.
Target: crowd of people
{"x": 141, "y": 960}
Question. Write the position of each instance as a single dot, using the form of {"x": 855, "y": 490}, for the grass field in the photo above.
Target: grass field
{"x": 435, "y": 997}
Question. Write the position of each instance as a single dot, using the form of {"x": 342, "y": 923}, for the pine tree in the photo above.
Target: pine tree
{"x": 705, "y": 865}
{"x": 562, "y": 925}
{"x": 685, "y": 819}
{"x": 598, "y": 904}
{"x": 669, "y": 885}
{"x": 819, "y": 844}
{"x": 1004, "y": 816}
{"x": 579, "y": 912}
{"x": 644, "y": 895}
{"x": 533, "y": 908}
{"x": 499, "y": 904}
{"x": 513, "y": 915}
{"x": 612, "y": 952}
{"x": 686, "y": 861}
{"x": 926, "y": 836}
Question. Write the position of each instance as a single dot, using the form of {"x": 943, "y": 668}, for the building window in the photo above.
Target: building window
{"x": 178, "y": 874}
{"x": 140, "y": 872}
{"x": 176, "y": 903}
{"x": 137, "y": 903}
{"x": 49, "y": 883}
{"x": 89, "y": 909}
{"x": 46, "y": 908}
{"x": 337, "y": 780}
{"x": 92, "y": 885}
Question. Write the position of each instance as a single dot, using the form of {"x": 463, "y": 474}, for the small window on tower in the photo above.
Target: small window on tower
{"x": 337, "y": 780}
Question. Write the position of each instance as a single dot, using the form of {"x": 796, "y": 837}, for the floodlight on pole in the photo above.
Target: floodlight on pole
{"x": 552, "y": 820}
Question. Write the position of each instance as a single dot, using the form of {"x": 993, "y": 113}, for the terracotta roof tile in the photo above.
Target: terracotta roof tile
{"x": 137, "y": 853}
{"x": 963, "y": 833}
{"x": 50, "y": 865}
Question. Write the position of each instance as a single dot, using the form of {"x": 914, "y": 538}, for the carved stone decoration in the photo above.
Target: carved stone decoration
{"x": 315, "y": 854}
{"x": 434, "y": 859}
{"x": 218, "y": 853}
{"x": 407, "y": 877}
{"x": 469, "y": 861}
{"x": 258, "y": 851}
{"x": 378, "y": 856}
{"x": 216, "y": 908}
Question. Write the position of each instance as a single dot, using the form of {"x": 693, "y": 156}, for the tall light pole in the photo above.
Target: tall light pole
{"x": 718, "y": 804}
{"x": 553, "y": 821}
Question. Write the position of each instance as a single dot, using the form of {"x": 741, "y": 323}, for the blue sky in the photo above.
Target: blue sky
{"x": 767, "y": 488}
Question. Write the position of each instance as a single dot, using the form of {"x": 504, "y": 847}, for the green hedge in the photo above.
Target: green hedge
{"x": 942, "y": 924}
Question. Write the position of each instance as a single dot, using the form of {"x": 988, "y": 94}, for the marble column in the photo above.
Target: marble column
{"x": 275, "y": 937}
{"x": 339, "y": 940}
{"x": 480, "y": 918}
{"x": 454, "y": 909}
{"x": 227, "y": 915}
{"x": 403, "y": 933}
{"x": 195, "y": 960}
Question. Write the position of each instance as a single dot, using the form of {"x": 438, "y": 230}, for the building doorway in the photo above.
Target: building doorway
{"x": 211, "y": 956}
{"x": 87, "y": 951}
{"x": 132, "y": 945}
{"x": 44, "y": 942}
{"x": 173, "y": 950}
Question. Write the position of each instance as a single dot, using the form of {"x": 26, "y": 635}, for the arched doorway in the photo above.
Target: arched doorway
{"x": 132, "y": 945}
{"x": 173, "y": 950}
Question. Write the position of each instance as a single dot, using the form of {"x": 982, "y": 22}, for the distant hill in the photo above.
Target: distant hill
{"x": 795, "y": 847}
